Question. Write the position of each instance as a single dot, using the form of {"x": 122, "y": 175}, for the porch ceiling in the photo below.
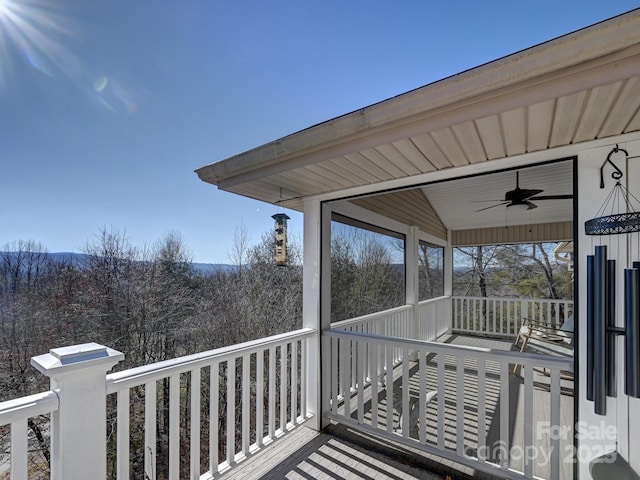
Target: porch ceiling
{"x": 458, "y": 201}
{"x": 577, "y": 88}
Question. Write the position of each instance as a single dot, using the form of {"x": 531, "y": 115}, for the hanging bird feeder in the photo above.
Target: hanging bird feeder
{"x": 281, "y": 237}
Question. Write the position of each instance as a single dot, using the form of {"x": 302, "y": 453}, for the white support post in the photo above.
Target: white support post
{"x": 448, "y": 267}
{"x": 411, "y": 279}
{"x": 448, "y": 277}
{"x": 78, "y": 427}
{"x": 316, "y": 282}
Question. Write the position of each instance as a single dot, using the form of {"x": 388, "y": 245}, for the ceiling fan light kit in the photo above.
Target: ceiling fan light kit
{"x": 521, "y": 207}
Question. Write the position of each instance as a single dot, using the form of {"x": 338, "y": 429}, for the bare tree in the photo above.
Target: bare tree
{"x": 364, "y": 277}
{"x": 430, "y": 271}
{"x": 240, "y": 247}
{"x": 473, "y": 265}
{"x": 25, "y": 331}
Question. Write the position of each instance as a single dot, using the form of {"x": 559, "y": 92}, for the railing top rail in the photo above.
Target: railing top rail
{"x": 434, "y": 300}
{"x": 155, "y": 371}
{"x": 460, "y": 350}
{"x": 370, "y": 316}
{"x": 559, "y": 300}
{"x": 27, "y": 407}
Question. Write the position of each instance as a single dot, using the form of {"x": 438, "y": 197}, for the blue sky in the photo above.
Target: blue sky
{"x": 107, "y": 107}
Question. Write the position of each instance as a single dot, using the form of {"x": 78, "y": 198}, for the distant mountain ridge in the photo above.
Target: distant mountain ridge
{"x": 80, "y": 259}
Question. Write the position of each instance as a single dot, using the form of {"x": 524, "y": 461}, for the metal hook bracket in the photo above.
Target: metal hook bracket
{"x": 617, "y": 174}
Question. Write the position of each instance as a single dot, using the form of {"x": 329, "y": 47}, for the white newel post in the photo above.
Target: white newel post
{"x": 78, "y": 427}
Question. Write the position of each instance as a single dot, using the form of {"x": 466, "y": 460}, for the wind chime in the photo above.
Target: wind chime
{"x": 619, "y": 215}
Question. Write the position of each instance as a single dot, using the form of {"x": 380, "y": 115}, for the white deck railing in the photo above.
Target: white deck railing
{"x": 262, "y": 381}
{"x": 396, "y": 322}
{"x": 250, "y": 394}
{"x": 481, "y": 414}
{"x": 431, "y": 321}
{"x": 495, "y": 316}
{"x": 433, "y": 318}
{"x": 503, "y": 316}
{"x": 16, "y": 414}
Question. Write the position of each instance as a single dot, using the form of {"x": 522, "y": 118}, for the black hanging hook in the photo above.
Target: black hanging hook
{"x": 617, "y": 174}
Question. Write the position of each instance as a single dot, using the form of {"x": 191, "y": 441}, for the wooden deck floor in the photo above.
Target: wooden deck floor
{"x": 342, "y": 452}
{"x": 335, "y": 453}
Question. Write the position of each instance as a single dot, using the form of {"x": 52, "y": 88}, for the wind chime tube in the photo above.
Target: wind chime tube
{"x": 599, "y": 331}
{"x": 610, "y": 339}
{"x": 632, "y": 331}
{"x": 590, "y": 324}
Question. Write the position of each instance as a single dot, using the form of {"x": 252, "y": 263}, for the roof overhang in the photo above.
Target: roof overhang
{"x": 578, "y": 88}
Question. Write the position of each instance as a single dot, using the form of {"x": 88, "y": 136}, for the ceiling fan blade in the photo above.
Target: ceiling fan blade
{"x": 493, "y": 206}
{"x": 521, "y": 196}
{"x": 551, "y": 197}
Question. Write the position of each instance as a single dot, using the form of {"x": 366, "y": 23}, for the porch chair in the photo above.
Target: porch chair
{"x": 546, "y": 338}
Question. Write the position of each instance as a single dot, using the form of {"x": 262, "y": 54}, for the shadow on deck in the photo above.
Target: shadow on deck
{"x": 336, "y": 453}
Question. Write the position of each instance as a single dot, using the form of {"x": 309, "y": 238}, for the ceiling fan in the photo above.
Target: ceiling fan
{"x": 523, "y": 197}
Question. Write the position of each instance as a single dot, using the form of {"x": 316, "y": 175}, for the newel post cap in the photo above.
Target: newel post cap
{"x": 72, "y": 359}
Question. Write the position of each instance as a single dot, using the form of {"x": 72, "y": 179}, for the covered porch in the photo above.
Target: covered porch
{"x": 430, "y": 374}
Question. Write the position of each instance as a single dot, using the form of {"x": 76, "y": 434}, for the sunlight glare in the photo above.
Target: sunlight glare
{"x": 36, "y": 33}
{"x": 4, "y": 7}
{"x": 31, "y": 30}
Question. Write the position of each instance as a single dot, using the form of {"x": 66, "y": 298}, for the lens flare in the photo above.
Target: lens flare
{"x": 38, "y": 34}
{"x": 100, "y": 84}
{"x": 33, "y": 32}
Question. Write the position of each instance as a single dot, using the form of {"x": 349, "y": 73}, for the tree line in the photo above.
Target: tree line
{"x": 148, "y": 303}
{"x": 519, "y": 270}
